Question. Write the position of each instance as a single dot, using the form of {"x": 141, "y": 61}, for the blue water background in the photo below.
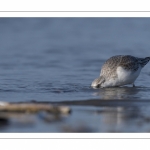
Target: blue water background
{"x": 56, "y": 59}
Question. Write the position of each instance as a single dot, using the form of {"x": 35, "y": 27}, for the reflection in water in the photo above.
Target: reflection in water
{"x": 118, "y": 118}
{"x": 112, "y": 115}
{"x": 117, "y": 92}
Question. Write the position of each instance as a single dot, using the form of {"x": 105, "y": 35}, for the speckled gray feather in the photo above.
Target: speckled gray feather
{"x": 126, "y": 61}
{"x": 112, "y": 75}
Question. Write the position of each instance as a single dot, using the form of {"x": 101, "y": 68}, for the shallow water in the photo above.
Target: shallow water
{"x": 56, "y": 59}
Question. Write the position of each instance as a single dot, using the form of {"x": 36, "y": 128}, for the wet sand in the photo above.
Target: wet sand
{"x": 94, "y": 115}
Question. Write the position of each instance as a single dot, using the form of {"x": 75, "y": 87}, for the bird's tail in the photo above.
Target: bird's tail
{"x": 144, "y": 61}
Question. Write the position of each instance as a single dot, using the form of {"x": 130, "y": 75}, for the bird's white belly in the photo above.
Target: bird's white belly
{"x": 124, "y": 77}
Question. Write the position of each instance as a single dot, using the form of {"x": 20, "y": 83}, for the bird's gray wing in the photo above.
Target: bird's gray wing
{"x": 129, "y": 63}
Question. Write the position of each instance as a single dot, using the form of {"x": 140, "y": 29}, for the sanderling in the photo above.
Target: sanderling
{"x": 120, "y": 70}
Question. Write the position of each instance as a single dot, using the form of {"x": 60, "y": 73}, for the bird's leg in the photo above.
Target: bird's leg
{"x": 133, "y": 84}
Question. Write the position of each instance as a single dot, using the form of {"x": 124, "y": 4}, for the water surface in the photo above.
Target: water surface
{"x": 56, "y": 59}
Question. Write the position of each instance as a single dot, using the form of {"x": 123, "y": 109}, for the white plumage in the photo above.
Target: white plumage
{"x": 120, "y": 70}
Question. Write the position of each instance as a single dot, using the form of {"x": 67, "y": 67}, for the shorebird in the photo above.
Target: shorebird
{"x": 120, "y": 70}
